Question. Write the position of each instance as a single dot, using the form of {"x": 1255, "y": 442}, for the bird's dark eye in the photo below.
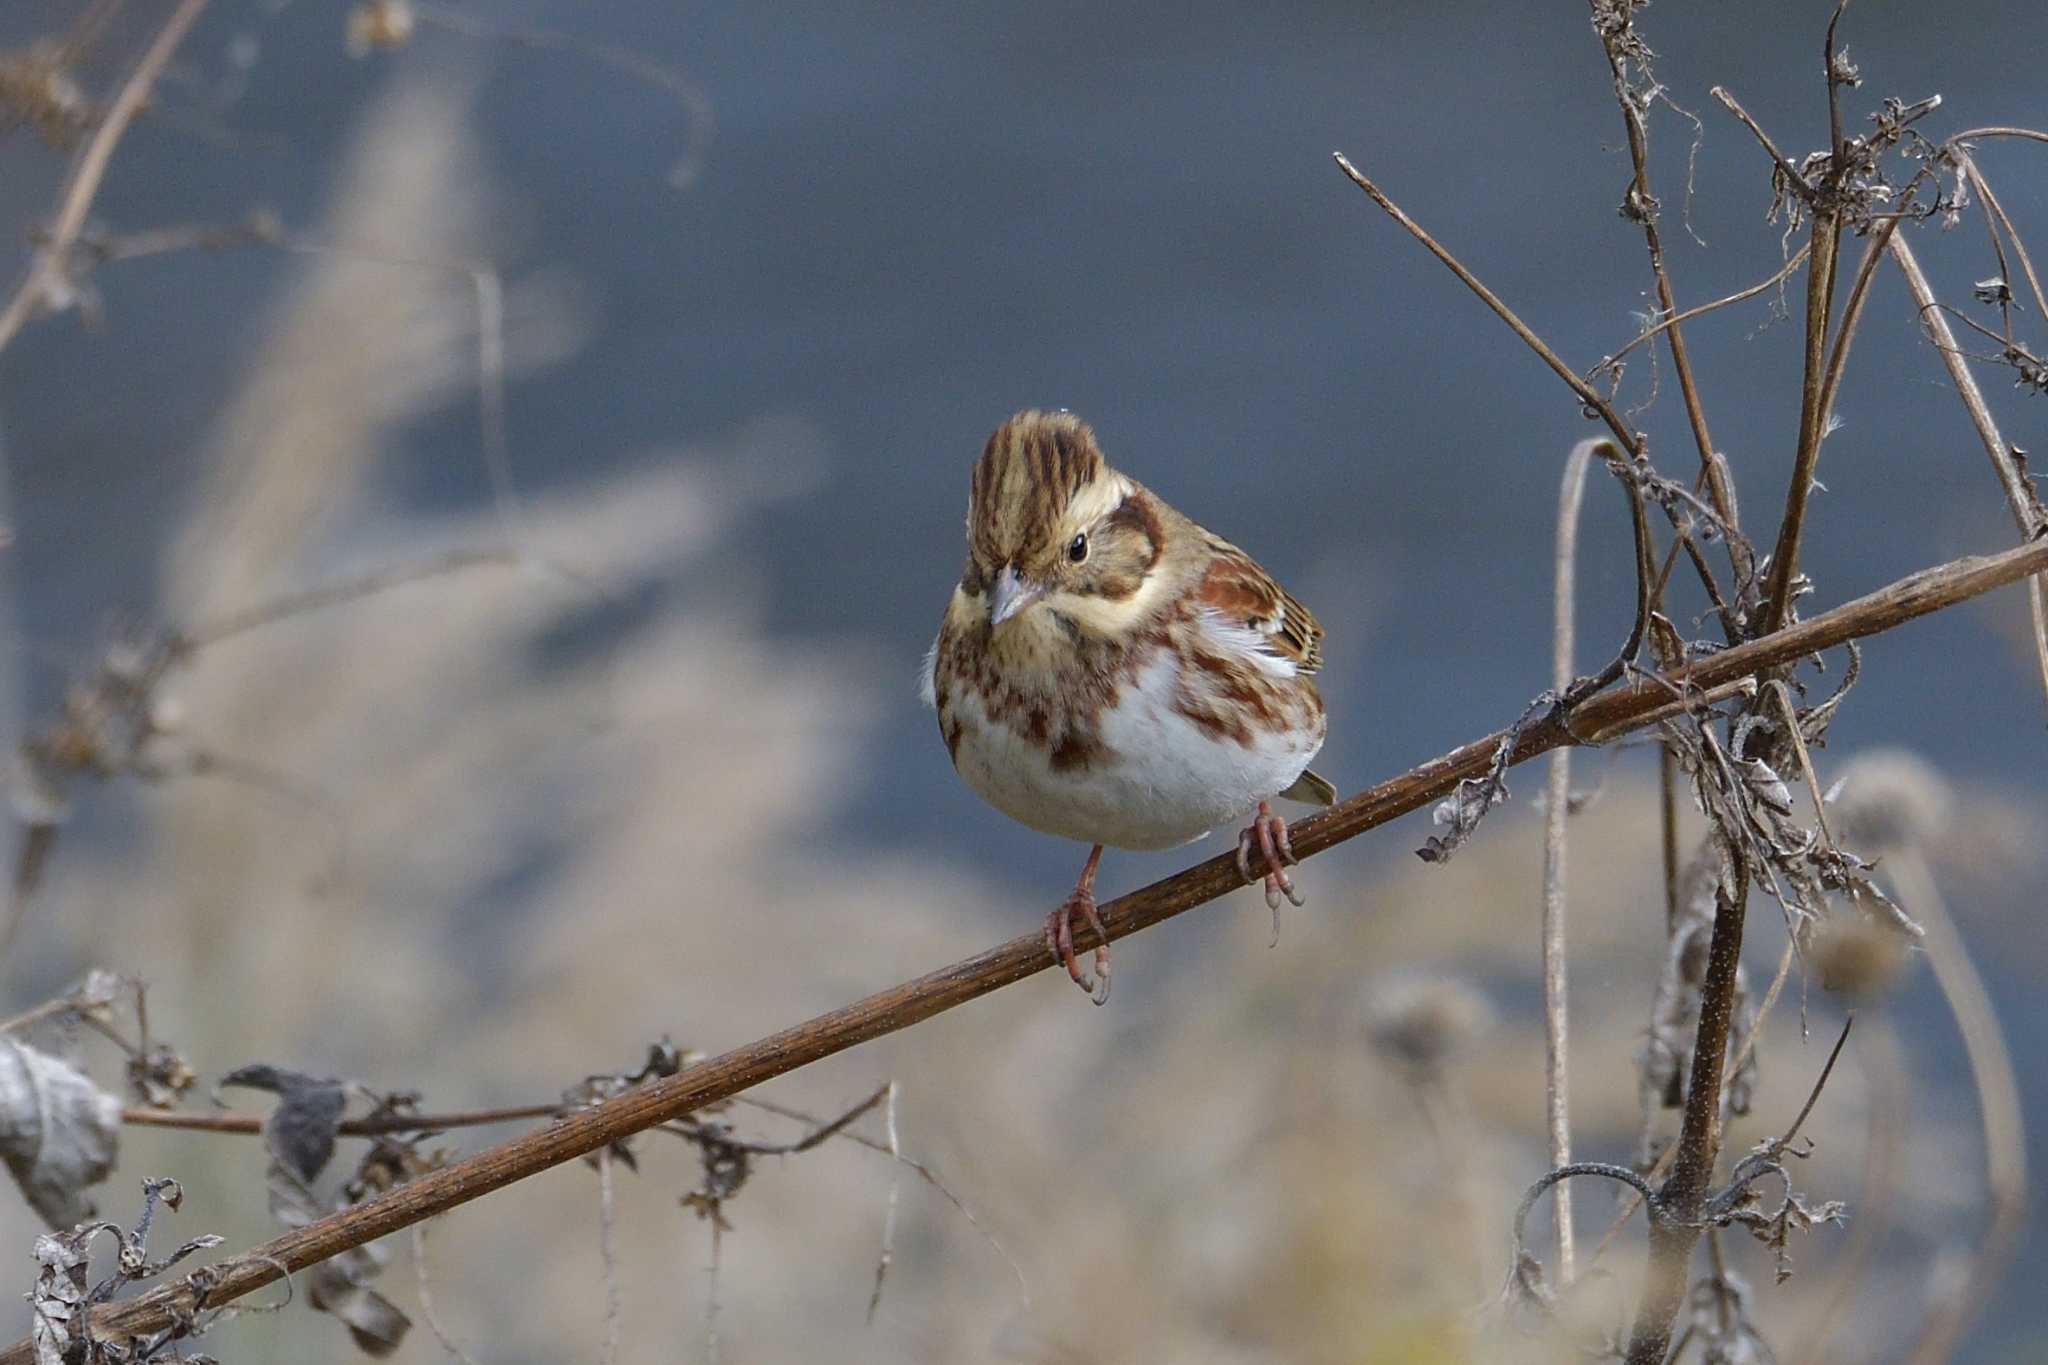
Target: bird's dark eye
{"x": 1077, "y": 548}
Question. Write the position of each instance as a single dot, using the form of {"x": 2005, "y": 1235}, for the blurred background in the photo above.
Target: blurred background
{"x": 769, "y": 276}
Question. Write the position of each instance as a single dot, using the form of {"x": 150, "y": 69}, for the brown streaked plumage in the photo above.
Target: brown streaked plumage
{"x": 1110, "y": 671}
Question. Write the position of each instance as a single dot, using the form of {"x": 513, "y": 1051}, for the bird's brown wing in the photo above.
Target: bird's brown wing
{"x": 1245, "y": 595}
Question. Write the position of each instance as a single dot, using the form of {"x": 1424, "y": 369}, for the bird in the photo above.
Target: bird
{"x": 1111, "y": 672}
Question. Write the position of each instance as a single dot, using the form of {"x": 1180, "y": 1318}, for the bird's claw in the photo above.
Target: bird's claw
{"x": 1059, "y": 941}
{"x": 1269, "y": 832}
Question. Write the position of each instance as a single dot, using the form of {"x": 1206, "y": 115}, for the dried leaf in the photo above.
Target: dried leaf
{"x": 58, "y": 1131}
{"x": 340, "y": 1284}
{"x": 58, "y": 1298}
{"x": 302, "y": 1128}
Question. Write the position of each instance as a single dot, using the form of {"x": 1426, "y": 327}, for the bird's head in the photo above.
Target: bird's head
{"x": 1051, "y": 528}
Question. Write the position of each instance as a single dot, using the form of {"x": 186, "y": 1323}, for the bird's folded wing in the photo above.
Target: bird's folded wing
{"x": 1245, "y": 609}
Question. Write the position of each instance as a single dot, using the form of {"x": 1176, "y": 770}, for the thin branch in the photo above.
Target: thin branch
{"x": 1784, "y": 1140}
{"x": 608, "y": 1256}
{"x": 1557, "y": 803}
{"x": 50, "y": 266}
{"x": 659, "y": 1101}
{"x": 2019, "y": 494}
{"x": 1970, "y": 134}
{"x": 1820, "y": 302}
{"x": 1797, "y": 259}
{"x": 1594, "y": 403}
{"x": 369, "y": 1126}
{"x": 888, "y": 1252}
{"x": 1641, "y": 206}
{"x": 1667, "y": 819}
{"x": 1793, "y": 179}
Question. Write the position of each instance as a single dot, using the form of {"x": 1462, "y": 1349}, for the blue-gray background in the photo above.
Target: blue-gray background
{"x": 911, "y": 220}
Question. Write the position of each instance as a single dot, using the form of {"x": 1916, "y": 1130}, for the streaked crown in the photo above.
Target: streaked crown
{"x": 1027, "y": 475}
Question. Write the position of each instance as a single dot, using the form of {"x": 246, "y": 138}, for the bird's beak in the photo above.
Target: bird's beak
{"x": 1010, "y": 595}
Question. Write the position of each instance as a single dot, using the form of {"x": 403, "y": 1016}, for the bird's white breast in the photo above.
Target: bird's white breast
{"x": 1159, "y": 779}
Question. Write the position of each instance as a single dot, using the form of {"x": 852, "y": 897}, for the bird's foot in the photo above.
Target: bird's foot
{"x": 1268, "y": 833}
{"x": 1059, "y": 939}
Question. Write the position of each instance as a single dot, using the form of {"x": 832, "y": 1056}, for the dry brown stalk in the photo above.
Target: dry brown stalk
{"x": 1675, "y": 1223}
{"x": 2012, "y": 478}
{"x": 370, "y": 1125}
{"x": 1641, "y": 206}
{"x": 1595, "y": 404}
{"x": 669, "y": 1098}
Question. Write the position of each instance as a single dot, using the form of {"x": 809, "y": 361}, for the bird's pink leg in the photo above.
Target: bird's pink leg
{"x": 1269, "y": 832}
{"x": 1059, "y": 932}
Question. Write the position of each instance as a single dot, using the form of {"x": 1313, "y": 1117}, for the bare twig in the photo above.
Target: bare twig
{"x": 1667, "y": 821}
{"x": 47, "y": 272}
{"x": 1820, "y": 297}
{"x": 1972, "y": 134}
{"x": 1595, "y": 405}
{"x": 1556, "y": 1017}
{"x": 368, "y": 1126}
{"x": 888, "y": 1252}
{"x": 1640, "y": 206}
{"x": 1792, "y": 263}
{"x": 2020, "y": 497}
{"x": 659, "y": 1101}
{"x": 608, "y": 1256}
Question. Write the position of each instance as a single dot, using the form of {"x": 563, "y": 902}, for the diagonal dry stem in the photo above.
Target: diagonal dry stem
{"x": 2019, "y": 494}
{"x": 898, "y": 1007}
{"x": 1593, "y": 402}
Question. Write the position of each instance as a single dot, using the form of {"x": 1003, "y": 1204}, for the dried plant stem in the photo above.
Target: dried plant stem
{"x": 2019, "y": 495}
{"x": 368, "y": 1126}
{"x": 888, "y": 1252}
{"x": 1792, "y": 263}
{"x": 1641, "y": 205}
{"x": 608, "y": 1256}
{"x": 1820, "y": 298}
{"x": 1998, "y": 1105}
{"x": 53, "y": 262}
{"x": 1667, "y": 820}
{"x": 1675, "y": 1223}
{"x": 1556, "y": 1017}
{"x": 660, "y": 1101}
{"x": 1971, "y": 134}
{"x": 1594, "y": 403}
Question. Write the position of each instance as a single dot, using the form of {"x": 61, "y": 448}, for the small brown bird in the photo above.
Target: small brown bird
{"x": 1109, "y": 671}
